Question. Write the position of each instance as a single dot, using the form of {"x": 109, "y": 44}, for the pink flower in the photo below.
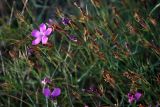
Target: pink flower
{"x": 56, "y": 92}
{"x": 73, "y": 38}
{"x": 137, "y": 96}
{"x": 134, "y": 96}
{"x": 46, "y": 92}
{"x": 51, "y": 93}
{"x": 41, "y": 34}
{"x": 45, "y": 81}
{"x": 86, "y": 106}
{"x": 66, "y": 21}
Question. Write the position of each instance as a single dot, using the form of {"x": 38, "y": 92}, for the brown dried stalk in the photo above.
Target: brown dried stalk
{"x": 108, "y": 78}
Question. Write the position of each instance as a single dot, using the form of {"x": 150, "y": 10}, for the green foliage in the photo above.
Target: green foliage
{"x": 117, "y": 52}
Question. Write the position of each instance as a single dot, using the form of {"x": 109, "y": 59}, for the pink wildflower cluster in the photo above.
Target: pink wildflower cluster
{"x": 50, "y": 93}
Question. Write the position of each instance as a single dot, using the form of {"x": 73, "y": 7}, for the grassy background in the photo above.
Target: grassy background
{"x": 118, "y": 51}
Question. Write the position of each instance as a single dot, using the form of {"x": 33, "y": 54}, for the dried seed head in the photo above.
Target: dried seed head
{"x": 140, "y": 21}
{"x": 152, "y": 46}
{"x": 85, "y": 34}
{"x": 158, "y": 78}
{"x": 96, "y": 3}
{"x": 98, "y": 33}
{"x": 84, "y": 16}
{"x": 101, "y": 55}
{"x": 144, "y": 25}
{"x": 13, "y": 54}
{"x": 19, "y": 17}
{"x": 94, "y": 46}
{"x": 101, "y": 90}
{"x": 76, "y": 95}
{"x": 115, "y": 11}
{"x": 30, "y": 63}
{"x": 132, "y": 76}
{"x": 132, "y": 29}
{"x": 116, "y": 22}
{"x": 59, "y": 12}
{"x": 8, "y": 86}
{"x": 108, "y": 78}
{"x": 140, "y": 105}
{"x": 116, "y": 55}
{"x": 153, "y": 21}
{"x": 137, "y": 17}
{"x": 114, "y": 38}
{"x": 56, "y": 27}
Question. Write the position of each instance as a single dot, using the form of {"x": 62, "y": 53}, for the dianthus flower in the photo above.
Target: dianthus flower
{"x": 73, "y": 38}
{"x": 51, "y": 93}
{"x": 41, "y": 34}
{"x": 45, "y": 81}
{"x": 66, "y": 21}
{"x": 134, "y": 96}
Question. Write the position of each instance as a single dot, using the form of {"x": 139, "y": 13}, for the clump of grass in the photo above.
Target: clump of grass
{"x": 105, "y": 47}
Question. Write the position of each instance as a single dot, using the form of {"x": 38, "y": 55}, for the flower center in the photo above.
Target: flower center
{"x": 42, "y": 34}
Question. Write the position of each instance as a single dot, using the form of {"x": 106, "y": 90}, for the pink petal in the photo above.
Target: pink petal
{"x": 137, "y": 95}
{"x": 35, "y": 33}
{"x": 131, "y": 99}
{"x": 48, "y": 31}
{"x": 46, "y": 92}
{"x": 36, "y": 41}
{"x": 45, "y": 81}
{"x": 42, "y": 27}
{"x": 44, "y": 39}
{"x": 56, "y": 92}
